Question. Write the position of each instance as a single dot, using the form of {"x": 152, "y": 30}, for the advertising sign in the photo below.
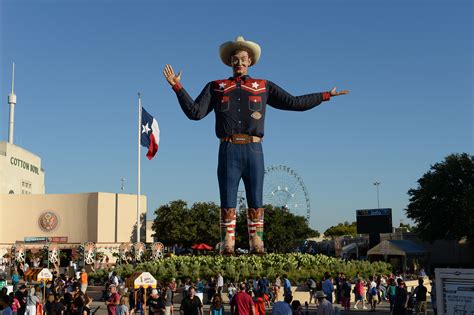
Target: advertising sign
{"x": 374, "y": 221}
{"x": 455, "y": 291}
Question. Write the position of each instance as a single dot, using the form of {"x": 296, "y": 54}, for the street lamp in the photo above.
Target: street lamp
{"x": 123, "y": 184}
{"x": 377, "y": 184}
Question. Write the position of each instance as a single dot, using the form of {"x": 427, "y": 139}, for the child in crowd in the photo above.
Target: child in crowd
{"x": 123, "y": 307}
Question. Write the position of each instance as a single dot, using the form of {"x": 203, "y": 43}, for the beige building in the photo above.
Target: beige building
{"x": 20, "y": 171}
{"x": 70, "y": 218}
{"x": 30, "y": 216}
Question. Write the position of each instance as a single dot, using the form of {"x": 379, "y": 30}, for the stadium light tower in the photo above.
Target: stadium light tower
{"x": 377, "y": 184}
{"x": 12, "y": 103}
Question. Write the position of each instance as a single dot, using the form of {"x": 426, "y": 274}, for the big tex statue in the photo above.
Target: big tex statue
{"x": 239, "y": 103}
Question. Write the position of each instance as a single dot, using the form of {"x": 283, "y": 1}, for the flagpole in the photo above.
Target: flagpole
{"x": 138, "y": 176}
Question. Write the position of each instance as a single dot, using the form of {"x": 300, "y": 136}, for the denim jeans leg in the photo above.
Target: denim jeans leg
{"x": 253, "y": 174}
{"x": 253, "y": 180}
{"x": 229, "y": 172}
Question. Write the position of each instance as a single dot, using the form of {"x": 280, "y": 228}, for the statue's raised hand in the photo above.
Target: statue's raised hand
{"x": 170, "y": 76}
{"x": 333, "y": 92}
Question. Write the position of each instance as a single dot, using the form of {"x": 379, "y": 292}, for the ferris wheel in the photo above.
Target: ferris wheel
{"x": 284, "y": 188}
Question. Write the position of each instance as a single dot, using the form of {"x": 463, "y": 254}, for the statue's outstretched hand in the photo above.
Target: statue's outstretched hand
{"x": 333, "y": 92}
{"x": 170, "y": 76}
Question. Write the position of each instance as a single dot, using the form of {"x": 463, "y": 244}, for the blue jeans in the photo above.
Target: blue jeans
{"x": 240, "y": 161}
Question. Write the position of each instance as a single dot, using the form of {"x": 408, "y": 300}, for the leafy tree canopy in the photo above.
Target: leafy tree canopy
{"x": 176, "y": 223}
{"x": 442, "y": 206}
{"x": 342, "y": 229}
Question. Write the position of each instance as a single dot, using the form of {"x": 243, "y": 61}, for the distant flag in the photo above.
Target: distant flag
{"x": 150, "y": 134}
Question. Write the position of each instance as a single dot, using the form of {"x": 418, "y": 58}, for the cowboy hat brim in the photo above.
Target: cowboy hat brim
{"x": 228, "y": 48}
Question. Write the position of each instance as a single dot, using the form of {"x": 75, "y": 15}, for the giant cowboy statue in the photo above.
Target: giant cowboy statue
{"x": 239, "y": 104}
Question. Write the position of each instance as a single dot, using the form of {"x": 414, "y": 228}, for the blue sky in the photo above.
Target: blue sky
{"x": 80, "y": 64}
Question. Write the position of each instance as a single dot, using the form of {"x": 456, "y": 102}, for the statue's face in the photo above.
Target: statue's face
{"x": 241, "y": 61}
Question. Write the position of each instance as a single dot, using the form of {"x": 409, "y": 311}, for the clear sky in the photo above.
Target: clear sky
{"x": 80, "y": 64}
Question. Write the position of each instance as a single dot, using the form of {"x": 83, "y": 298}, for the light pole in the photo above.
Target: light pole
{"x": 123, "y": 184}
{"x": 377, "y": 184}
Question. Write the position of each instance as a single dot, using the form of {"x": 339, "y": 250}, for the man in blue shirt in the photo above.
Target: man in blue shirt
{"x": 328, "y": 286}
{"x": 286, "y": 286}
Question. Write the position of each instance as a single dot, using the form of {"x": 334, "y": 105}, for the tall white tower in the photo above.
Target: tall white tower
{"x": 12, "y": 103}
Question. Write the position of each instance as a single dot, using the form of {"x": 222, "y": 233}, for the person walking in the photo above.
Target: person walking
{"x": 420, "y": 297}
{"x": 276, "y": 288}
{"x": 359, "y": 291}
{"x": 400, "y": 300}
{"x": 220, "y": 283}
{"x": 242, "y": 303}
{"x": 5, "y": 305}
{"x": 168, "y": 300}
{"x": 286, "y": 286}
{"x": 312, "y": 289}
{"x": 217, "y": 306}
{"x": 391, "y": 292}
{"x": 15, "y": 278}
{"x": 113, "y": 300}
{"x": 373, "y": 294}
{"x": 346, "y": 289}
{"x": 328, "y": 286}
{"x": 22, "y": 296}
{"x": 156, "y": 303}
{"x": 84, "y": 280}
{"x": 191, "y": 304}
{"x": 324, "y": 306}
{"x": 283, "y": 307}
{"x": 261, "y": 299}
{"x": 32, "y": 300}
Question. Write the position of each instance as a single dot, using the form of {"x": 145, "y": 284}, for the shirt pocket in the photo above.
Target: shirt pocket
{"x": 223, "y": 104}
{"x": 255, "y": 103}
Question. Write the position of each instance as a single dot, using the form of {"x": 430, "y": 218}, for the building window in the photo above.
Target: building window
{"x": 26, "y": 187}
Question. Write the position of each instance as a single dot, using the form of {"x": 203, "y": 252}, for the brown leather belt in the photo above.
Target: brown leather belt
{"x": 241, "y": 139}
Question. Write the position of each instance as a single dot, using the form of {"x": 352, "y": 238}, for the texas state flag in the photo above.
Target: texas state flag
{"x": 150, "y": 137}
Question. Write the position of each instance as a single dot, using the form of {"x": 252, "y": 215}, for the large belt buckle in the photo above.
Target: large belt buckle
{"x": 240, "y": 139}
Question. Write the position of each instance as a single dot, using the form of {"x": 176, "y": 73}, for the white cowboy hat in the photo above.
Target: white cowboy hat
{"x": 320, "y": 294}
{"x": 226, "y": 50}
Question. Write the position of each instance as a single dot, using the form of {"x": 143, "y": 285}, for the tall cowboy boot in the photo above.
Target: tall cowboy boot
{"x": 228, "y": 219}
{"x": 255, "y": 228}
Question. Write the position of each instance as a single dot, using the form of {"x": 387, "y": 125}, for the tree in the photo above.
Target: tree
{"x": 342, "y": 229}
{"x": 175, "y": 223}
{"x": 172, "y": 222}
{"x": 205, "y": 217}
{"x": 406, "y": 227}
{"x": 282, "y": 230}
{"x": 442, "y": 206}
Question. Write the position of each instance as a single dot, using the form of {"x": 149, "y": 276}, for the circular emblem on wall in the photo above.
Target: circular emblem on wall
{"x": 48, "y": 221}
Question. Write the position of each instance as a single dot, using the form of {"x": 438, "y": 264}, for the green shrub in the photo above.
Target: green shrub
{"x": 297, "y": 266}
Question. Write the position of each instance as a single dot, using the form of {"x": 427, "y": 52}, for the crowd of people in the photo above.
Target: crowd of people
{"x": 66, "y": 295}
{"x": 368, "y": 293}
{"x": 61, "y": 295}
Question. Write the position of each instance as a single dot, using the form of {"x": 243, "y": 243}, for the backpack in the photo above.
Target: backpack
{"x": 373, "y": 291}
